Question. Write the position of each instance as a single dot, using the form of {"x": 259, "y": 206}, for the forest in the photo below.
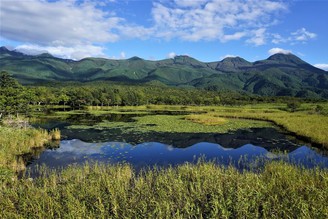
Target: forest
{"x": 16, "y": 98}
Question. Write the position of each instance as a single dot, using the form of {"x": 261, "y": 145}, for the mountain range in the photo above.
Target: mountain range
{"x": 278, "y": 75}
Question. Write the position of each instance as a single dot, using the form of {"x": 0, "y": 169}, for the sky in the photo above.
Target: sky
{"x": 208, "y": 30}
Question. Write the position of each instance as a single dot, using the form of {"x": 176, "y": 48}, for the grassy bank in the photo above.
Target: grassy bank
{"x": 204, "y": 190}
{"x": 306, "y": 123}
{"x": 19, "y": 141}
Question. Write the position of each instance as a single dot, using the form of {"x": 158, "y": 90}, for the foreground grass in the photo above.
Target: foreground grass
{"x": 15, "y": 142}
{"x": 204, "y": 190}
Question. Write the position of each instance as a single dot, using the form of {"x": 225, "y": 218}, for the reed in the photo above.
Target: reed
{"x": 54, "y": 134}
{"x": 203, "y": 190}
{"x": 15, "y": 142}
{"x": 305, "y": 124}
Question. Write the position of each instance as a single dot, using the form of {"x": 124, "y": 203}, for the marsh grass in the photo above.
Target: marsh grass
{"x": 15, "y": 142}
{"x": 206, "y": 119}
{"x": 309, "y": 121}
{"x": 202, "y": 190}
{"x": 311, "y": 126}
{"x": 54, "y": 134}
{"x": 174, "y": 123}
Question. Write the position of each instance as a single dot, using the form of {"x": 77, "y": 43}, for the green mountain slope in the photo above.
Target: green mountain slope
{"x": 280, "y": 74}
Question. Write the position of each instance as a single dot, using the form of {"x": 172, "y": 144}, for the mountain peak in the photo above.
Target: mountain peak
{"x": 286, "y": 58}
{"x": 185, "y": 59}
{"x": 45, "y": 55}
{"x": 4, "y": 49}
{"x": 135, "y": 58}
{"x": 232, "y": 64}
{"x": 236, "y": 59}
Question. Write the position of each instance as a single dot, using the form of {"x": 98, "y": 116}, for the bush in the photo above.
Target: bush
{"x": 293, "y": 106}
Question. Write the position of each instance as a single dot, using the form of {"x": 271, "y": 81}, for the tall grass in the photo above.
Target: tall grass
{"x": 305, "y": 124}
{"x": 15, "y": 142}
{"x": 204, "y": 190}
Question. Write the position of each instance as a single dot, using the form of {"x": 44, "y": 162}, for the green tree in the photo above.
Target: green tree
{"x": 6, "y": 81}
{"x": 13, "y": 96}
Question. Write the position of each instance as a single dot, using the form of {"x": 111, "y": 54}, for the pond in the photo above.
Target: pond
{"x": 243, "y": 148}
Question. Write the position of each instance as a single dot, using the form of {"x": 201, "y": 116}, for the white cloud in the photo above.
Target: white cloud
{"x": 258, "y": 38}
{"x": 76, "y": 52}
{"x": 277, "y": 38}
{"x": 56, "y": 23}
{"x": 122, "y": 55}
{"x": 65, "y": 27}
{"x": 279, "y": 50}
{"x": 322, "y": 66}
{"x": 228, "y": 56}
{"x": 235, "y": 36}
{"x": 215, "y": 19}
{"x": 171, "y": 55}
{"x": 303, "y": 35}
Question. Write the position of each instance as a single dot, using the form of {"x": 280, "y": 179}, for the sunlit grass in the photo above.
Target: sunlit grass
{"x": 19, "y": 141}
{"x": 204, "y": 190}
{"x": 175, "y": 123}
{"x": 206, "y": 119}
{"x": 306, "y": 124}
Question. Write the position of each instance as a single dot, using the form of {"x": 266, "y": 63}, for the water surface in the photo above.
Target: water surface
{"x": 243, "y": 148}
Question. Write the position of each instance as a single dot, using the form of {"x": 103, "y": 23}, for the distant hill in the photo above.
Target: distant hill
{"x": 278, "y": 75}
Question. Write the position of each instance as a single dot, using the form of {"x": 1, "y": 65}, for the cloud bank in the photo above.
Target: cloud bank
{"x": 322, "y": 66}
{"x": 80, "y": 28}
{"x": 279, "y": 50}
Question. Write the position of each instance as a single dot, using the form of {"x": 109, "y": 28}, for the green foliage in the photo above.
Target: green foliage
{"x": 7, "y": 81}
{"x": 15, "y": 142}
{"x": 13, "y": 97}
{"x": 204, "y": 190}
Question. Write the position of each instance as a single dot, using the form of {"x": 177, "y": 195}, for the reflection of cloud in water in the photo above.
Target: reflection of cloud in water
{"x": 270, "y": 155}
{"x": 169, "y": 148}
{"x": 152, "y": 152}
{"x": 79, "y": 147}
{"x": 207, "y": 144}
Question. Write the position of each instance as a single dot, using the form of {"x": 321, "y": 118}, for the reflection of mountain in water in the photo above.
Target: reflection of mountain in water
{"x": 269, "y": 138}
{"x": 159, "y": 154}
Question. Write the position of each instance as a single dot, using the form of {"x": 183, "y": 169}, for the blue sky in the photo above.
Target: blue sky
{"x": 207, "y": 30}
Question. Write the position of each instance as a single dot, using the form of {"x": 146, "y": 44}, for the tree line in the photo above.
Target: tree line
{"x": 15, "y": 98}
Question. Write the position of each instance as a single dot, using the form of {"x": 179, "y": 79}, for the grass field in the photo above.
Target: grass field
{"x": 202, "y": 190}
{"x": 15, "y": 142}
{"x": 306, "y": 123}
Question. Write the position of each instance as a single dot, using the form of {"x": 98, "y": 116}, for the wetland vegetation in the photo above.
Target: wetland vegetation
{"x": 203, "y": 188}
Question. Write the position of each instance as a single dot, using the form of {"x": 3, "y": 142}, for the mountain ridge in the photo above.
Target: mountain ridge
{"x": 279, "y": 74}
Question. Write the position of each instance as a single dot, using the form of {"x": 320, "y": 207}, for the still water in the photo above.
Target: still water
{"x": 243, "y": 148}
